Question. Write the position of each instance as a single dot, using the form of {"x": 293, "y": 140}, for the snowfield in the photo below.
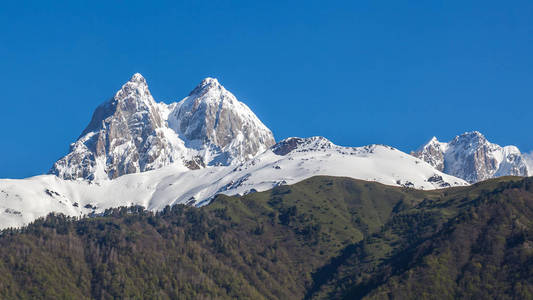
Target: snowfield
{"x": 288, "y": 162}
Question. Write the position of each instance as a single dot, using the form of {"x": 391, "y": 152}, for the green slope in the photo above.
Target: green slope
{"x": 473, "y": 243}
{"x": 263, "y": 245}
{"x": 324, "y": 237}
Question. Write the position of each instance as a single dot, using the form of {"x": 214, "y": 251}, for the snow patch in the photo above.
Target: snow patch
{"x": 529, "y": 160}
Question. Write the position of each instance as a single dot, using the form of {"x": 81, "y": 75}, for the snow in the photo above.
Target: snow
{"x": 529, "y": 161}
{"x": 132, "y": 133}
{"x": 149, "y": 149}
{"x": 24, "y": 200}
{"x": 472, "y": 157}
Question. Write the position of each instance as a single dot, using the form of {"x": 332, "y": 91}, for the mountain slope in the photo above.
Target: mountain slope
{"x": 126, "y": 135}
{"x": 261, "y": 246}
{"x": 322, "y": 238}
{"x": 472, "y": 243}
{"x": 472, "y": 157}
{"x": 287, "y": 162}
{"x": 131, "y": 133}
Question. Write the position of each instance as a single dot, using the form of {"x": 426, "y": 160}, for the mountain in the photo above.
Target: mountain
{"x": 212, "y": 120}
{"x": 468, "y": 243}
{"x": 127, "y": 215}
{"x": 472, "y": 157}
{"x": 261, "y": 246}
{"x": 131, "y": 133}
{"x": 288, "y": 162}
{"x": 322, "y": 238}
{"x": 126, "y": 135}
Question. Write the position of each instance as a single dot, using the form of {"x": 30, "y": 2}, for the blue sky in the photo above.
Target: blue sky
{"x": 357, "y": 72}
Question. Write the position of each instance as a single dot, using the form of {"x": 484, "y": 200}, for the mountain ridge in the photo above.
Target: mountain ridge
{"x": 131, "y": 133}
{"x": 472, "y": 157}
{"x": 287, "y": 162}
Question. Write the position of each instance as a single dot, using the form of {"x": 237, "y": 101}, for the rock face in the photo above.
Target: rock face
{"x": 316, "y": 143}
{"x": 433, "y": 153}
{"x": 130, "y": 133}
{"x": 472, "y": 157}
{"x": 223, "y": 129}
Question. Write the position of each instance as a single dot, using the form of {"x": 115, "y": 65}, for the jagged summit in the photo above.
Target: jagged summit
{"x": 130, "y": 133}
{"x": 472, "y": 157}
{"x": 137, "y": 77}
{"x": 212, "y": 118}
{"x": 471, "y": 136}
{"x": 432, "y": 141}
{"x": 206, "y": 84}
{"x": 133, "y": 88}
{"x": 125, "y": 136}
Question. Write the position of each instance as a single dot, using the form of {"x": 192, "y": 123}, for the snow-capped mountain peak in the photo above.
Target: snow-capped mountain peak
{"x": 472, "y": 157}
{"x": 135, "y": 89}
{"x": 223, "y": 129}
{"x": 435, "y": 142}
{"x": 131, "y": 133}
{"x": 470, "y": 140}
{"x": 209, "y": 143}
{"x": 432, "y": 152}
{"x": 124, "y": 136}
{"x": 137, "y": 77}
{"x": 205, "y": 86}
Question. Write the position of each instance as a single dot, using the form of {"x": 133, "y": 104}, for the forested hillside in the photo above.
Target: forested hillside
{"x": 324, "y": 237}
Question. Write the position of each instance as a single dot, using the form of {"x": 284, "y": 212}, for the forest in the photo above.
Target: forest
{"x": 322, "y": 238}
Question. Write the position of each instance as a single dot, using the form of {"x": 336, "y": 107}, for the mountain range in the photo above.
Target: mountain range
{"x": 136, "y": 151}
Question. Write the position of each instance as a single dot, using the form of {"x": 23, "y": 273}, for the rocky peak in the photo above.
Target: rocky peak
{"x": 433, "y": 140}
{"x": 124, "y": 136}
{"x": 135, "y": 91}
{"x": 432, "y": 152}
{"x": 132, "y": 133}
{"x": 472, "y": 157}
{"x": 212, "y": 119}
{"x": 285, "y": 146}
{"x": 473, "y": 139}
{"x": 132, "y": 101}
{"x": 138, "y": 78}
{"x": 205, "y": 86}
{"x": 315, "y": 143}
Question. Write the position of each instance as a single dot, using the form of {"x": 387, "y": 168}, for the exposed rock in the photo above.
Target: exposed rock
{"x": 124, "y": 136}
{"x": 315, "y": 143}
{"x": 472, "y": 157}
{"x": 286, "y": 146}
{"x": 213, "y": 121}
{"x": 130, "y": 133}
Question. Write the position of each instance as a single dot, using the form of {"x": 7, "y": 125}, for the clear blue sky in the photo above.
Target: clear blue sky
{"x": 357, "y": 72}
